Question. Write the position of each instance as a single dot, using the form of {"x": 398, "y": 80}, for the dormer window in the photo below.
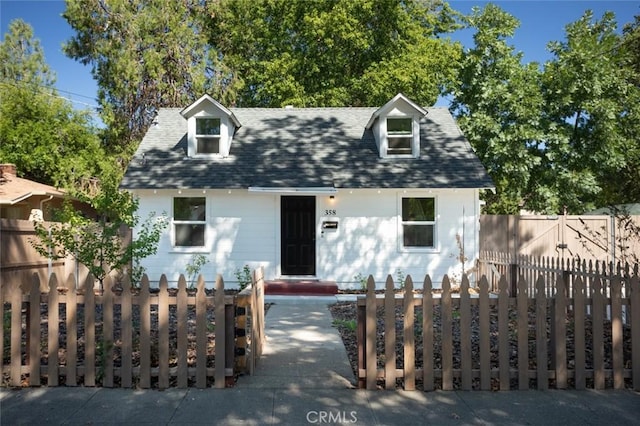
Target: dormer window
{"x": 396, "y": 128}
{"x": 210, "y": 128}
{"x": 399, "y": 136}
{"x": 207, "y": 135}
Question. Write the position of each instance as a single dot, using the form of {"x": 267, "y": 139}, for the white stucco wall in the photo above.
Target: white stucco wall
{"x": 244, "y": 228}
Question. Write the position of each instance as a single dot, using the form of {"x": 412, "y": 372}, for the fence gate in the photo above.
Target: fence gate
{"x": 250, "y": 320}
{"x": 586, "y": 237}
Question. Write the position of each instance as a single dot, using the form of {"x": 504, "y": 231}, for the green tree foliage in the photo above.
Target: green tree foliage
{"x": 145, "y": 54}
{"x": 40, "y": 132}
{"x": 333, "y": 52}
{"x": 550, "y": 137}
{"x": 587, "y": 93}
{"x": 99, "y": 244}
{"x": 22, "y": 58}
{"x": 498, "y": 105}
{"x": 623, "y": 185}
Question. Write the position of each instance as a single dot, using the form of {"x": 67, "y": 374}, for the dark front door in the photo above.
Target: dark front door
{"x": 298, "y": 228}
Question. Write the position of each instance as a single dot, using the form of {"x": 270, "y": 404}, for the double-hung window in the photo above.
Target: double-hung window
{"x": 399, "y": 136}
{"x": 189, "y": 221}
{"x": 418, "y": 222}
{"x": 207, "y": 135}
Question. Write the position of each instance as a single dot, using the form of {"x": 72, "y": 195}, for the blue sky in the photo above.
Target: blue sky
{"x": 541, "y": 22}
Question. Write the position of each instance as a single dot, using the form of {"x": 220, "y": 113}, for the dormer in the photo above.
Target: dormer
{"x": 396, "y": 128}
{"x": 210, "y": 128}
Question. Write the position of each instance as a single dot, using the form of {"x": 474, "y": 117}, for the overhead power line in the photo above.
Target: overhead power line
{"x": 52, "y": 91}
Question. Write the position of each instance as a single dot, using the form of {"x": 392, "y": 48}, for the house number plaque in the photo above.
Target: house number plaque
{"x": 330, "y": 212}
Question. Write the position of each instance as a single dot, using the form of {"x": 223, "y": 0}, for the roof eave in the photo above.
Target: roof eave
{"x": 187, "y": 112}
{"x": 392, "y": 102}
{"x": 27, "y": 195}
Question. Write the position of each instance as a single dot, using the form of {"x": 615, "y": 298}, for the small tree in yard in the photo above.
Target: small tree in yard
{"x": 98, "y": 243}
{"x": 194, "y": 267}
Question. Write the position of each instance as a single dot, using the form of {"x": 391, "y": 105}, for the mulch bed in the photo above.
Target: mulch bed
{"x": 344, "y": 314}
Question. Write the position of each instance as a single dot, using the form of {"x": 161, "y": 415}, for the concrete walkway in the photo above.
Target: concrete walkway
{"x": 304, "y": 378}
{"x": 303, "y": 349}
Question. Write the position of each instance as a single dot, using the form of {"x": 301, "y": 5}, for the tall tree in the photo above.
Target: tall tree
{"x": 551, "y": 138}
{"x": 623, "y": 185}
{"x": 498, "y": 105}
{"x": 145, "y": 54}
{"x": 333, "y": 52}
{"x": 592, "y": 111}
{"x": 40, "y": 132}
{"x": 22, "y": 59}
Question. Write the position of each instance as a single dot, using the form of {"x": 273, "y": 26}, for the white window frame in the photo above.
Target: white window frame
{"x": 408, "y": 249}
{"x": 174, "y": 222}
{"x": 198, "y": 136}
{"x": 410, "y": 137}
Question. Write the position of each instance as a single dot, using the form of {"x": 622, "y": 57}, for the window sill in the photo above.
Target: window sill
{"x": 207, "y": 156}
{"x": 400, "y": 156}
{"x": 430, "y": 250}
{"x": 189, "y": 250}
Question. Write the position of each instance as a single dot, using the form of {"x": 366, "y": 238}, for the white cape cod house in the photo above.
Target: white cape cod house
{"x": 322, "y": 193}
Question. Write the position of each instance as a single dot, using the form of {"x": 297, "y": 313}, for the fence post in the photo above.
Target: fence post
{"x": 617, "y": 354}
{"x": 145, "y": 334}
{"x": 230, "y": 342}
{"x": 257, "y": 317}
{"x": 427, "y": 334}
{"x": 503, "y": 334}
{"x": 542, "y": 355}
{"x": 33, "y": 331}
{"x": 484, "y": 337}
{"x": 244, "y": 304}
{"x": 53, "y": 331}
{"x": 447, "y": 335}
{"x": 107, "y": 333}
{"x": 126, "y": 335}
{"x": 182, "y": 343}
{"x": 260, "y": 302}
{"x": 370, "y": 338}
{"x": 465, "y": 334}
{"x": 219, "y": 308}
{"x": 252, "y": 301}
{"x": 15, "y": 295}
{"x": 560, "y": 334}
{"x": 523, "y": 334}
{"x": 90, "y": 332}
{"x": 579, "y": 309}
{"x": 201, "y": 335}
{"x": 361, "y": 320}
{"x": 163, "y": 333}
{"x": 72, "y": 331}
{"x": 598, "y": 335}
{"x": 409, "y": 337}
{"x": 389, "y": 335}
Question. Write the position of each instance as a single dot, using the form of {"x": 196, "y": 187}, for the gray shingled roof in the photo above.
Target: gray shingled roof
{"x": 305, "y": 147}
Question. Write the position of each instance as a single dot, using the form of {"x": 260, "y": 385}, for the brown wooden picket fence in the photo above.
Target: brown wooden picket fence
{"x": 497, "y": 264}
{"x": 59, "y": 335}
{"x": 476, "y": 339}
